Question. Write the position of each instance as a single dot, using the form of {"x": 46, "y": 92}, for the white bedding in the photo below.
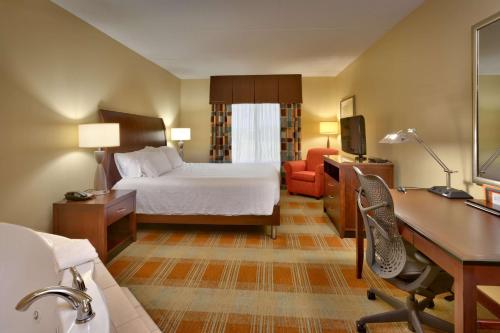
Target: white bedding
{"x": 208, "y": 189}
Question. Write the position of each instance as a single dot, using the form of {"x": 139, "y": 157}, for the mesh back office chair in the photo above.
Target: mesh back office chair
{"x": 395, "y": 260}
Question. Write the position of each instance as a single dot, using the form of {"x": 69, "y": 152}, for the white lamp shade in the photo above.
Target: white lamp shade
{"x": 399, "y": 137}
{"x": 180, "y": 134}
{"x": 99, "y": 135}
{"x": 328, "y": 127}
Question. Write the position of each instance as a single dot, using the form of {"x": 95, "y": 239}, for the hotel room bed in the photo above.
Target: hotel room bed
{"x": 195, "y": 193}
{"x": 208, "y": 189}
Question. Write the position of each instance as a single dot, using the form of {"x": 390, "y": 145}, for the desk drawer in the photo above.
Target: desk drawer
{"x": 119, "y": 210}
{"x": 405, "y": 232}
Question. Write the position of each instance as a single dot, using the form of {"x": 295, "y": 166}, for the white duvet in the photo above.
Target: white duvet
{"x": 208, "y": 189}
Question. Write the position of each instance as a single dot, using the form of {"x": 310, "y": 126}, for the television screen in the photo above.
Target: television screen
{"x": 352, "y": 133}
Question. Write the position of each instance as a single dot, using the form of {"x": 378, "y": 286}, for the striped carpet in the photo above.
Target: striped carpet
{"x": 212, "y": 279}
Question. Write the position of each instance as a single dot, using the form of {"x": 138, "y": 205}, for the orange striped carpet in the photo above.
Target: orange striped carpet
{"x": 209, "y": 279}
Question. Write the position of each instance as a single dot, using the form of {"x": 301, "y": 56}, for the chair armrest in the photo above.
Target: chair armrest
{"x": 320, "y": 169}
{"x": 294, "y": 166}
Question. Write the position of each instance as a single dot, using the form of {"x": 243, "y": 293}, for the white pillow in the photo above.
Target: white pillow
{"x": 154, "y": 163}
{"x": 172, "y": 155}
{"x": 128, "y": 164}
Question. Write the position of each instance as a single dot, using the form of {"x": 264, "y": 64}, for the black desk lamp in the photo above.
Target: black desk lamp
{"x": 410, "y": 135}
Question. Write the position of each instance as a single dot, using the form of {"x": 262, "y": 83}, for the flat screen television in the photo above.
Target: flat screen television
{"x": 352, "y": 133}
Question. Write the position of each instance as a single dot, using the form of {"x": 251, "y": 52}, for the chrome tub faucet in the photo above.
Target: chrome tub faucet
{"x": 79, "y": 301}
{"x": 78, "y": 282}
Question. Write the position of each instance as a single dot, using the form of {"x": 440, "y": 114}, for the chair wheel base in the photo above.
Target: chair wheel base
{"x": 360, "y": 328}
{"x": 370, "y": 295}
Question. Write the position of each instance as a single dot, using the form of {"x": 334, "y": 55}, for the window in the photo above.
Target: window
{"x": 256, "y": 133}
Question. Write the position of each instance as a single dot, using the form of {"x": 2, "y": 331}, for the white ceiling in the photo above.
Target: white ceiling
{"x": 199, "y": 38}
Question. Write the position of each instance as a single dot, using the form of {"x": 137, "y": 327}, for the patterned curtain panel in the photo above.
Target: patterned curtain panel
{"x": 290, "y": 135}
{"x": 220, "y": 139}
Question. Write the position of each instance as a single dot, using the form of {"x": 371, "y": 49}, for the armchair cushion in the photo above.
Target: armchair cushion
{"x": 307, "y": 176}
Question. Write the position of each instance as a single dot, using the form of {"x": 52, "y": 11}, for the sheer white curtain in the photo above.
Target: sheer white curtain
{"x": 255, "y": 133}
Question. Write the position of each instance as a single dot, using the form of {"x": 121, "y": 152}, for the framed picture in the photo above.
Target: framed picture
{"x": 347, "y": 107}
{"x": 491, "y": 193}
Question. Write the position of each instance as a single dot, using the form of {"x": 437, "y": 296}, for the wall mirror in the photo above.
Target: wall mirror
{"x": 486, "y": 108}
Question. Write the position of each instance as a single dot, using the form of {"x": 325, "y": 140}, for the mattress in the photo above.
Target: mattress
{"x": 208, "y": 189}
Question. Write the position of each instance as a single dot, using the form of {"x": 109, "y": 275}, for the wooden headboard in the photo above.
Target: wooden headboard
{"x": 136, "y": 132}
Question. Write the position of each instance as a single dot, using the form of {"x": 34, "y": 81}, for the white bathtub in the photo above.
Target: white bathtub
{"x": 27, "y": 263}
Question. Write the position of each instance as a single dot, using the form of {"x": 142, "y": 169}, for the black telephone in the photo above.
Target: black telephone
{"x": 78, "y": 196}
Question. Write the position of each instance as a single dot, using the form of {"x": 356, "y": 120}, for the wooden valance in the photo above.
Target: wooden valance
{"x": 233, "y": 89}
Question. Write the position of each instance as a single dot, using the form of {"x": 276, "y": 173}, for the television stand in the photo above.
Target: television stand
{"x": 341, "y": 183}
{"x": 360, "y": 158}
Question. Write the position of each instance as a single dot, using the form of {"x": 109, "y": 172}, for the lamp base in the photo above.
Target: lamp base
{"x": 100, "y": 181}
{"x": 181, "y": 149}
{"x": 360, "y": 158}
{"x": 99, "y": 192}
{"x": 449, "y": 192}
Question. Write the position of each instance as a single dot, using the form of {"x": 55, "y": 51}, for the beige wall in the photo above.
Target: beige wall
{"x": 319, "y": 104}
{"x": 55, "y": 72}
{"x": 419, "y": 75}
{"x": 195, "y": 114}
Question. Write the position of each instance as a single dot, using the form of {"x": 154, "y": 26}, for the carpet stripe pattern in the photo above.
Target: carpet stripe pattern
{"x": 211, "y": 279}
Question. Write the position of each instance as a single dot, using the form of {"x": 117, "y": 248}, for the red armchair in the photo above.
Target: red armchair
{"x": 307, "y": 176}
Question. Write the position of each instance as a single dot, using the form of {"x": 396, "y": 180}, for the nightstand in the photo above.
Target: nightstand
{"x": 108, "y": 221}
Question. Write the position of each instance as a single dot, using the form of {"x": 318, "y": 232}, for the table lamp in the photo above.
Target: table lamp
{"x": 181, "y": 135}
{"x": 410, "y": 135}
{"x": 328, "y": 128}
{"x": 99, "y": 136}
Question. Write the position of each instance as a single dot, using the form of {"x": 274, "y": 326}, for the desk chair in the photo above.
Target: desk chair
{"x": 398, "y": 262}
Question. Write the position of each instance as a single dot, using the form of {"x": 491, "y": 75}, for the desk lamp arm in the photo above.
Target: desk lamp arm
{"x": 431, "y": 152}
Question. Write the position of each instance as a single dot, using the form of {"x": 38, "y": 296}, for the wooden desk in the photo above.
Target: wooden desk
{"x": 462, "y": 240}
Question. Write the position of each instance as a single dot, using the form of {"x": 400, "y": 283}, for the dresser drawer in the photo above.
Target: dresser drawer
{"x": 332, "y": 187}
{"x": 119, "y": 210}
{"x": 331, "y": 198}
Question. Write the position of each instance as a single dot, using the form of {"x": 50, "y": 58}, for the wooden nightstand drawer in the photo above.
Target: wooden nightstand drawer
{"x": 119, "y": 210}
